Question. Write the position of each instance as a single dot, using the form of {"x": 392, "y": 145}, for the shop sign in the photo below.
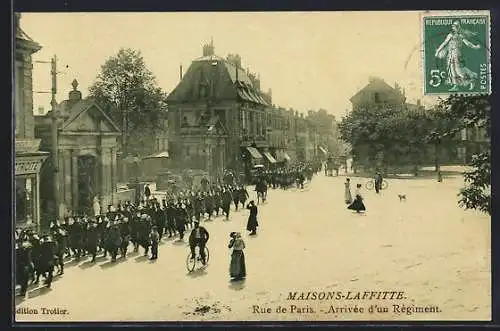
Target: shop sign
{"x": 28, "y": 167}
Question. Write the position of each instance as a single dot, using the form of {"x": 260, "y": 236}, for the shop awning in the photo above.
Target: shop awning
{"x": 254, "y": 152}
{"x": 269, "y": 157}
{"x": 322, "y": 150}
{"x": 161, "y": 155}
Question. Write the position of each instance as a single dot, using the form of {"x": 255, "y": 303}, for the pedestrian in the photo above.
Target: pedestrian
{"x": 347, "y": 194}
{"x": 97, "y": 206}
{"x": 147, "y": 192}
{"x": 357, "y": 204}
{"x": 378, "y": 182}
{"x": 237, "y": 268}
{"x": 252, "y": 223}
{"x": 154, "y": 238}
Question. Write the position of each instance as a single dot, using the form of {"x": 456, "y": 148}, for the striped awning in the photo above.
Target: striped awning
{"x": 269, "y": 157}
{"x": 322, "y": 150}
{"x": 254, "y": 152}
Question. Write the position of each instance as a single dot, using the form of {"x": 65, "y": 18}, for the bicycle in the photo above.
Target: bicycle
{"x": 191, "y": 263}
{"x": 370, "y": 185}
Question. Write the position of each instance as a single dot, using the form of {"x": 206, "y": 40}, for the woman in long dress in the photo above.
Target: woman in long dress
{"x": 357, "y": 204}
{"x": 451, "y": 50}
{"x": 347, "y": 192}
{"x": 237, "y": 268}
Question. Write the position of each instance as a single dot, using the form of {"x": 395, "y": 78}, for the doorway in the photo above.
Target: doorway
{"x": 87, "y": 183}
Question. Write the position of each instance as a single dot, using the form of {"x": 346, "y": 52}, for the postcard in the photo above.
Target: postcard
{"x": 252, "y": 166}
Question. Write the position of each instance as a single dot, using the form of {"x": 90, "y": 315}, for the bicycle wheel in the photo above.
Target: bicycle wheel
{"x": 190, "y": 263}
{"x": 385, "y": 184}
{"x": 370, "y": 185}
{"x": 207, "y": 255}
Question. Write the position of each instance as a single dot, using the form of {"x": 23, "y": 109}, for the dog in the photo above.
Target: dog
{"x": 402, "y": 197}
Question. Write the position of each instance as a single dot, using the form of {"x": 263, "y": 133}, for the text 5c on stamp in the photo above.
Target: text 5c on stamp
{"x": 456, "y": 54}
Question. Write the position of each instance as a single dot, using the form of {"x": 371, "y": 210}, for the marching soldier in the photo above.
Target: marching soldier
{"x": 154, "y": 238}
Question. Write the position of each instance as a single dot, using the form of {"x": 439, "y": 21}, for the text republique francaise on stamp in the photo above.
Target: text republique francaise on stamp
{"x": 456, "y": 53}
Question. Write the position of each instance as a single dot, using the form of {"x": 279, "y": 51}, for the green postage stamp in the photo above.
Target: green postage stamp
{"x": 456, "y": 53}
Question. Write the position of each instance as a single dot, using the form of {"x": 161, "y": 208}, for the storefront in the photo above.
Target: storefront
{"x": 27, "y": 186}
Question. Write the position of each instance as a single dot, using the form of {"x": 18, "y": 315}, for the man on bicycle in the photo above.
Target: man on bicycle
{"x": 198, "y": 237}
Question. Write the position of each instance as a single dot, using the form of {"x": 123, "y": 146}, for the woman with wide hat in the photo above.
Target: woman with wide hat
{"x": 237, "y": 268}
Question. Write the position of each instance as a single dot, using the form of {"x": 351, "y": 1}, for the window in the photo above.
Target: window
{"x": 18, "y": 99}
{"x": 24, "y": 200}
{"x": 376, "y": 96}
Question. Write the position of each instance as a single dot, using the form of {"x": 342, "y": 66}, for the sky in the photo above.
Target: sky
{"x": 310, "y": 60}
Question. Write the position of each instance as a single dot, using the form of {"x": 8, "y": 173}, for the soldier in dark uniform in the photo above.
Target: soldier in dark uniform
{"x": 135, "y": 230}
{"x": 158, "y": 219}
{"x": 145, "y": 228}
{"x": 47, "y": 257}
{"x": 243, "y": 194}
{"x": 61, "y": 238}
{"x": 209, "y": 204}
{"x": 198, "y": 206}
{"x": 147, "y": 192}
{"x": 125, "y": 236}
{"x": 236, "y": 197}
{"x": 92, "y": 239}
{"x": 180, "y": 219}
{"x": 217, "y": 201}
{"x": 190, "y": 211}
{"x": 154, "y": 238}
{"x": 171, "y": 218}
{"x": 227, "y": 198}
{"x": 24, "y": 264}
{"x": 114, "y": 240}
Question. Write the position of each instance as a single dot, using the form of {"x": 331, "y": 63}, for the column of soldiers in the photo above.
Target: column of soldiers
{"x": 143, "y": 225}
{"x": 293, "y": 175}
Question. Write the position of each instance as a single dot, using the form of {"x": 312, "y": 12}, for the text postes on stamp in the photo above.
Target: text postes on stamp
{"x": 456, "y": 54}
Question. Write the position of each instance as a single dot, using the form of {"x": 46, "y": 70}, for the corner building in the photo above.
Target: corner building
{"x": 218, "y": 116}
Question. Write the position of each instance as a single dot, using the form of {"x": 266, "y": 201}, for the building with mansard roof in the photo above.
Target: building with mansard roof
{"x": 218, "y": 116}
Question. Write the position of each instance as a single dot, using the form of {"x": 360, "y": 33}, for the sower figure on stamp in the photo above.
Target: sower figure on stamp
{"x": 451, "y": 49}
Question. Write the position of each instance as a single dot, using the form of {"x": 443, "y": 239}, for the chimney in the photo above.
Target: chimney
{"x": 180, "y": 72}
{"x": 257, "y": 83}
{"x": 75, "y": 95}
{"x": 208, "y": 49}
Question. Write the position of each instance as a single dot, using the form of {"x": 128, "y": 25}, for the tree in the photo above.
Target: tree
{"x": 457, "y": 113}
{"x": 384, "y": 136}
{"x": 127, "y": 91}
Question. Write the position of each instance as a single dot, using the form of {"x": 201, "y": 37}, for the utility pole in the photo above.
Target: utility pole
{"x": 55, "y": 158}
